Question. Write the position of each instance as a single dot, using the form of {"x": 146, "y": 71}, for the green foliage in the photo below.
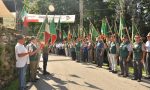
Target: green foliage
{"x": 13, "y": 85}
{"x": 1, "y": 51}
{"x": 1, "y": 48}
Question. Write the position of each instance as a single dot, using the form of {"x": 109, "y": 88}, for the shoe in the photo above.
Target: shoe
{"x": 134, "y": 79}
{"x": 120, "y": 74}
{"x": 36, "y": 79}
{"x": 125, "y": 75}
{"x": 139, "y": 80}
{"x": 46, "y": 73}
{"x": 110, "y": 70}
{"x": 114, "y": 71}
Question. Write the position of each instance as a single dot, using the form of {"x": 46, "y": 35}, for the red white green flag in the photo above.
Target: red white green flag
{"x": 53, "y": 32}
{"x": 47, "y": 31}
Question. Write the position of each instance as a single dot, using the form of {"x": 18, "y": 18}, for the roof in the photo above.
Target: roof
{"x": 10, "y": 4}
{"x": 4, "y": 12}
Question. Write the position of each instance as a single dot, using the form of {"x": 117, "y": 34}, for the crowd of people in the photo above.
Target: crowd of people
{"x": 112, "y": 49}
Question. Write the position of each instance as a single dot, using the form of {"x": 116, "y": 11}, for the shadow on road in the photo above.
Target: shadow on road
{"x": 74, "y": 76}
{"x": 92, "y": 86}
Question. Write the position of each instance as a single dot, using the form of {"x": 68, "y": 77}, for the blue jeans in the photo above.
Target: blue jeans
{"x": 22, "y": 77}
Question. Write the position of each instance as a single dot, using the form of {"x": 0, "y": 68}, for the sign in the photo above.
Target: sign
{"x": 41, "y": 18}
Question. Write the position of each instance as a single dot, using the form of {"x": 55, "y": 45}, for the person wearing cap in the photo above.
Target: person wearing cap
{"x": 125, "y": 50}
{"x": 22, "y": 58}
{"x": 33, "y": 58}
{"x": 147, "y": 63}
{"x": 138, "y": 57}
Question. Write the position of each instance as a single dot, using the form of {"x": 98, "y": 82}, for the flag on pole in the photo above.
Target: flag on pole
{"x": 64, "y": 35}
{"x": 59, "y": 29}
{"x": 134, "y": 30}
{"x": 94, "y": 33}
{"x": 74, "y": 34}
{"x": 23, "y": 17}
{"x": 53, "y": 32}
{"x": 104, "y": 27}
{"x": 47, "y": 31}
{"x": 121, "y": 27}
{"x": 69, "y": 34}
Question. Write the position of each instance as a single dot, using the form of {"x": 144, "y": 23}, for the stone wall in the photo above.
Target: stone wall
{"x": 7, "y": 56}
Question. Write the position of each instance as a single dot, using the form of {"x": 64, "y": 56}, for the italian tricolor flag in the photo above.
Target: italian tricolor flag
{"x": 47, "y": 31}
{"x": 53, "y": 32}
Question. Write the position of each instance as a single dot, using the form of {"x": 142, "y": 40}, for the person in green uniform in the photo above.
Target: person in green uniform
{"x": 78, "y": 44}
{"x": 125, "y": 50}
{"x": 45, "y": 59}
{"x": 138, "y": 57}
{"x": 33, "y": 58}
{"x": 114, "y": 49}
{"x": 90, "y": 51}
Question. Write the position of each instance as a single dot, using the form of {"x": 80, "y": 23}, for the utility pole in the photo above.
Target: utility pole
{"x": 81, "y": 15}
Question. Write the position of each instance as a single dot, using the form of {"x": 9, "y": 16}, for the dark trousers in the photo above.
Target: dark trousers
{"x": 78, "y": 55}
{"x": 85, "y": 56}
{"x": 123, "y": 65}
{"x": 137, "y": 65}
{"x": 73, "y": 55}
{"x": 148, "y": 64}
{"x": 45, "y": 59}
{"x": 100, "y": 60}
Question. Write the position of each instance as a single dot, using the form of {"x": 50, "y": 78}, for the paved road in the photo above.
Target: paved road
{"x": 70, "y": 75}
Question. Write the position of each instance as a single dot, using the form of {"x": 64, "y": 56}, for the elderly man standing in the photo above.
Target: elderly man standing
{"x": 22, "y": 57}
{"x": 125, "y": 50}
{"x": 138, "y": 57}
{"x": 33, "y": 58}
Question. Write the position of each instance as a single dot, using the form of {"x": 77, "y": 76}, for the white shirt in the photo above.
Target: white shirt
{"x": 129, "y": 47}
{"x": 147, "y": 46}
{"x": 21, "y": 61}
{"x": 30, "y": 48}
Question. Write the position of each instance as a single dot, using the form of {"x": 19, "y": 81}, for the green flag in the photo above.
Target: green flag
{"x": 64, "y": 35}
{"x": 74, "y": 34}
{"x": 53, "y": 32}
{"x": 94, "y": 33}
{"x": 104, "y": 27}
{"x": 134, "y": 30}
{"x": 121, "y": 27}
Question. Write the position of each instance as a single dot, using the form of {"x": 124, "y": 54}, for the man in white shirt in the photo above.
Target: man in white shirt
{"x": 147, "y": 63}
{"x": 22, "y": 57}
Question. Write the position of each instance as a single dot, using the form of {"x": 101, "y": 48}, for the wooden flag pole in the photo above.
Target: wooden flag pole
{"x": 109, "y": 25}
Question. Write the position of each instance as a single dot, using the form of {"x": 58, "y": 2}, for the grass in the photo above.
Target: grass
{"x": 13, "y": 85}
